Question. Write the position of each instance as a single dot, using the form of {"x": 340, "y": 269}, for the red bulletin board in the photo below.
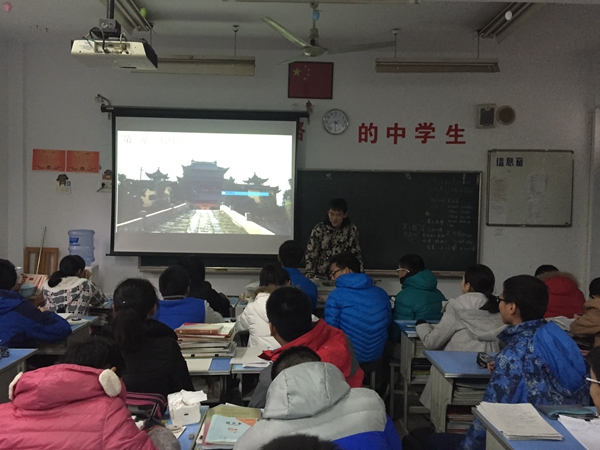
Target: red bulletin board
{"x": 53, "y": 160}
{"x": 82, "y": 161}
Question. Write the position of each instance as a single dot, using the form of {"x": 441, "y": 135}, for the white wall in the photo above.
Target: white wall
{"x": 546, "y": 79}
{"x": 3, "y": 153}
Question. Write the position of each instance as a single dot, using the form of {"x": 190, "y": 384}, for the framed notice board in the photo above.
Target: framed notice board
{"x": 433, "y": 214}
{"x": 531, "y": 188}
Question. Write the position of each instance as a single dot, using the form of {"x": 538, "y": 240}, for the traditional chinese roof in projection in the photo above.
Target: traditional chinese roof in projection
{"x": 204, "y": 166}
{"x": 255, "y": 180}
{"x": 157, "y": 176}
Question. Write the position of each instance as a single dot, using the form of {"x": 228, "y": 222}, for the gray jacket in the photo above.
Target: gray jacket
{"x": 314, "y": 398}
{"x": 464, "y": 327}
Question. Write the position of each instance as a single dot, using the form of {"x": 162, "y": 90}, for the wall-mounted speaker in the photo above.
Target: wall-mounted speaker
{"x": 506, "y": 115}
{"x": 486, "y": 115}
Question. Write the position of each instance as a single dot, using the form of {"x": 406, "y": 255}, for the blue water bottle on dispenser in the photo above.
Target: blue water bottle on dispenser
{"x": 81, "y": 242}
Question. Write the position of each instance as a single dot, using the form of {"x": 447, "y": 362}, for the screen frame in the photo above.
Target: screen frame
{"x": 217, "y": 259}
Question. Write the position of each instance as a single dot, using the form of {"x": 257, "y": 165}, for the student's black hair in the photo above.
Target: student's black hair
{"x": 197, "y": 272}
{"x": 8, "y": 275}
{"x": 338, "y": 204}
{"x": 545, "y": 268}
{"x": 133, "y": 300}
{"x": 289, "y": 311}
{"x": 529, "y": 294}
{"x": 273, "y": 275}
{"x": 175, "y": 280}
{"x": 68, "y": 267}
{"x": 414, "y": 263}
{"x": 291, "y": 254}
{"x": 595, "y": 288}
{"x": 292, "y": 357}
{"x": 97, "y": 352}
{"x": 346, "y": 260}
{"x": 482, "y": 280}
{"x": 299, "y": 442}
{"x": 593, "y": 360}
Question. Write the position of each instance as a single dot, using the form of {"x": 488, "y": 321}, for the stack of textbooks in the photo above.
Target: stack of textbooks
{"x": 469, "y": 391}
{"x": 459, "y": 419}
{"x": 224, "y": 424}
{"x": 206, "y": 340}
{"x": 421, "y": 369}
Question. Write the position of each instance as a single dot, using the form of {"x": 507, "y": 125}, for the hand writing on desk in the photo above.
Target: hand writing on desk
{"x": 491, "y": 366}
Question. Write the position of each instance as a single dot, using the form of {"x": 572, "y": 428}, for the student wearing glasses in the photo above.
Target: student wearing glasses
{"x": 419, "y": 298}
{"x": 540, "y": 364}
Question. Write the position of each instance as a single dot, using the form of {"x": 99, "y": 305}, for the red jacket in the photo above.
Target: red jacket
{"x": 331, "y": 345}
{"x": 65, "y": 407}
{"x": 564, "y": 296}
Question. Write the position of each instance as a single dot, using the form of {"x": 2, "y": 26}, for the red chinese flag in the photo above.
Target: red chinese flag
{"x": 310, "y": 80}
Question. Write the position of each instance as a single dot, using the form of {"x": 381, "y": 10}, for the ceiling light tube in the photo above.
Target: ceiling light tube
{"x": 440, "y": 65}
{"x": 500, "y": 27}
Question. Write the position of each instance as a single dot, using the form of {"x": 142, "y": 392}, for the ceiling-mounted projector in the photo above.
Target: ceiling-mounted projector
{"x": 132, "y": 55}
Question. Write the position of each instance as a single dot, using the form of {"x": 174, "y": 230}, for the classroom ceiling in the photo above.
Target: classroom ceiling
{"x": 428, "y": 26}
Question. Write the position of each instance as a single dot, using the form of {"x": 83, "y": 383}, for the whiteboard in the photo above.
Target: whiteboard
{"x": 530, "y": 188}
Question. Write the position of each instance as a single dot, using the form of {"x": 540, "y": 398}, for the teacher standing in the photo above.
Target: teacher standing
{"x": 332, "y": 236}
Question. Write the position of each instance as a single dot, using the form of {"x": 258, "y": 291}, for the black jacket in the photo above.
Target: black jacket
{"x": 216, "y": 301}
{"x": 158, "y": 366}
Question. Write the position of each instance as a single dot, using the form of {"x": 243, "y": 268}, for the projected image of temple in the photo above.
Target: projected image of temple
{"x": 202, "y": 200}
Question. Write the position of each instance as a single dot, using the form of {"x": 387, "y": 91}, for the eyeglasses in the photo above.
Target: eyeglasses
{"x": 333, "y": 272}
{"x": 402, "y": 270}
{"x": 590, "y": 380}
{"x": 498, "y": 298}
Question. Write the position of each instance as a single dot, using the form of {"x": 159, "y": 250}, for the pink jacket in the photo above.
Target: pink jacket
{"x": 66, "y": 407}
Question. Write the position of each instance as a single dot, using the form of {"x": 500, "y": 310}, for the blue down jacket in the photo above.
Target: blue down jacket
{"x": 21, "y": 322}
{"x": 362, "y": 311}
{"x": 541, "y": 365}
{"x": 313, "y": 398}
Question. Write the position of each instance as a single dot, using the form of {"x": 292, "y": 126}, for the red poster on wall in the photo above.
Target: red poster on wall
{"x": 310, "y": 80}
{"x": 48, "y": 160}
{"x": 80, "y": 161}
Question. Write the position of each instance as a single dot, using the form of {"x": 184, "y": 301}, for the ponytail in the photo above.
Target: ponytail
{"x": 69, "y": 266}
{"x": 134, "y": 298}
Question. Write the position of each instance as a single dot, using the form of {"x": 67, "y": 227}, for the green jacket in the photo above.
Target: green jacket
{"x": 419, "y": 298}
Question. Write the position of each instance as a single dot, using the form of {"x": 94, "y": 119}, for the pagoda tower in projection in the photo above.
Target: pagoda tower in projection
{"x": 202, "y": 184}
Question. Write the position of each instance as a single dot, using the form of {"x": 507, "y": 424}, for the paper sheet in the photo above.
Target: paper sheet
{"x": 196, "y": 365}
{"x": 248, "y": 357}
{"x": 587, "y": 432}
{"x": 520, "y": 421}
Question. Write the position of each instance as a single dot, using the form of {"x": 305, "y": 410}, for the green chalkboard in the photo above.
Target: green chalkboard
{"x": 433, "y": 214}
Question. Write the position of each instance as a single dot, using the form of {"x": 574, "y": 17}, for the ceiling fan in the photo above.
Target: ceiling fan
{"x": 312, "y": 48}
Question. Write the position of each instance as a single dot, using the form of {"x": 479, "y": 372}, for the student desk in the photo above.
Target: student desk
{"x": 80, "y": 331}
{"x": 411, "y": 348}
{"x": 11, "y": 366}
{"x": 495, "y": 440}
{"x": 446, "y": 369}
{"x": 220, "y": 367}
{"x": 239, "y": 369}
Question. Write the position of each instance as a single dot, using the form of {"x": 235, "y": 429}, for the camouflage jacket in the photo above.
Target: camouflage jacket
{"x": 324, "y": 242}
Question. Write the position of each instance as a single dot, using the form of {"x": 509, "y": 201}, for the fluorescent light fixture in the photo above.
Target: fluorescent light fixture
{"x": 507, "y": 21}
{"x": 129, "y": 16}
{"x": 205, "y": 65}
{"x": 383, "y": 65}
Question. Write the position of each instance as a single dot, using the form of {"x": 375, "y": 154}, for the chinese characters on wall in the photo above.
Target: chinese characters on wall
{"x": 424, "y": 132}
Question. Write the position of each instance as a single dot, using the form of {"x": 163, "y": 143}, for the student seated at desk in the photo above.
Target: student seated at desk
{"x": 254, "y": 318}
{"x": 77, "y": 404}
{"x": 153, "y": 358}
{"x": 310, "y": 396}
{"x": 20, "y": 321}
{"x": 470, "y": 322}
{"x": 589, "y": 323}
{"x": 540, "y": 363}
{"x": 564, "y": 296}
{"x": 593, "y": 359}
{"x": 290, "y": 322}
{"x": 69, "y": 290}
{"x": 359, "y": 308}
{"x": 419, "y": 297}
{"x": 291, "y": 255}
{"x": 200, "y": 288}
{"x": 177, "y": 307}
